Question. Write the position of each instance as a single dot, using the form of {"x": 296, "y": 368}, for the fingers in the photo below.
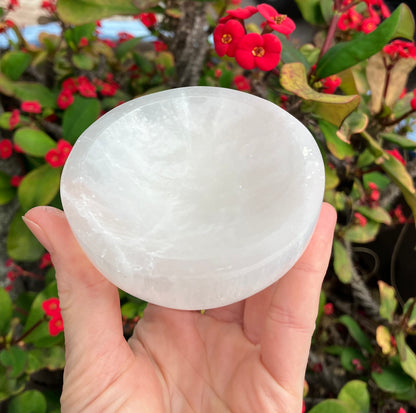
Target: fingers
{"x": 89, "y": 303}
{"x": 290, "y": 321}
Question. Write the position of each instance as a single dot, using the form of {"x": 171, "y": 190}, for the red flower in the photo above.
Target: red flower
{"x": 49, "y": 6}
{"x": 64, "y": 147}
{"x": 375, "y": 193}
{"x": 279, "y": 22}
{"x": 56, "y": 325}
{"x": 400, "y": 49}
{"x": 362, "y": 220}
{"x": 357, "y": 364}
{"x": 69, "y": 85}
{"x": 83, "y": 42}
{"x": 255, "y": 50}
{"x": 368, "y": 25}
{"x": 31, "y": 107}
{"x": 85, "y": 87}
{"x": 65, "y": 99}
{"x": 351, "y": 19}
{"x": 398, "y": 213}
{"x": 159, "y": 46}
{"x": 330, "y": 84}
{"x": 329, "y": 308}
{"x": 109, "y": 43}
{"x": 394, "y": 152}
{"x": 51, "y": 307}
{"x": 148, "y": 19}
{"x": 54, "y": 158}
{"x": 241, "y": 83}
{"x": 6, "y": 148}
{"x": 227, "y": 37}
{"x": 401, "y": 410}
{"x": 16, "y": 180}
{"x": 235, "y": 2}
{"x": 124, "y": 36}
{"x": 109, "y": 89}
{"x": 45, "y": 261}
{"x": 14, "y": 119}
{"x": 242, "y": 13}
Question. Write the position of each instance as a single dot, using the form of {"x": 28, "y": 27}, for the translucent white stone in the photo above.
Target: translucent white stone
{"x": 195, "y": 197}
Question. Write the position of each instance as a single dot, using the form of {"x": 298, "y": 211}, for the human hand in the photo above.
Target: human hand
{"x": 246, "y": 357}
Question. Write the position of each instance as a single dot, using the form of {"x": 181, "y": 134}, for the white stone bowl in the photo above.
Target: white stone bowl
{"x": 194, "y": 198}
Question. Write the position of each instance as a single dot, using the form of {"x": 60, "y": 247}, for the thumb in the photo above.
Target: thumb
{"x": 89, "y": 303}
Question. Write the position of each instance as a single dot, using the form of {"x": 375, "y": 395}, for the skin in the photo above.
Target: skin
{"x": 246, "y": 357}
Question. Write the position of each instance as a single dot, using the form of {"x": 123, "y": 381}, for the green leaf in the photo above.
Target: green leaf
{"x": 5, "y": 120}
{"x": 6, "y": 312}
{"x": 311, "y": 11}
{"x": 336, "y": 146}
{"x": 399, "y": 140}
{"x": 347, "y": 54}
{"x": 123, "y": 48}
{"x": 362, "y": 235}
{"x": 84, "y": 11}
{"x": 14, "y": 359}
{"x": 83, "y": 61}
{"x": 392, "y": 379}
{"x": 411, "y": 322}
{"x": 356, "y": 333}
{"x": 377, "y": 214}
{"x": 34, "y": 142}
{"x": 407, "y": 356}
{"x": 35, "y": 91}
{"x": 342, "y": 263}
{"x": 74, "y": 35}
{"x": 290, "y": 54}
{"x": 399, "y": 175}
{"x": 81, "y": 114}
{"x": 7, "y": 191}
{"x": 388, "y": 302}
{"x": 32, "y": 401}
{"x": 381, "y": 180}
{"x": 332, "y": 108}
{"x": 355, "y": 394}
{"x": 52, "y": 358}
{"x": 356, "y": 122}
{"x": 39, "y": 186}
{"x": 13, "y": 64}
{"x": 331, "y": 178}
{"x": 330, "y": 406}
{"x": 21, "y": 243}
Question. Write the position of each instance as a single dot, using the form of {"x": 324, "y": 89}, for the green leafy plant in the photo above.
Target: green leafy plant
{"x": 346, "y": 86}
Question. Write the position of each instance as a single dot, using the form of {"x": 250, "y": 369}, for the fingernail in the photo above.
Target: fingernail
{"x": 38, "y": 232}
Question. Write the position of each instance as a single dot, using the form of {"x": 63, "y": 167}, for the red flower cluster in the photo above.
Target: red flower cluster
{"x": 242, "y": 83}
{"x": 57, "y": 157}
{"x": 6, "y": 148}
{"x": 252, "y": 50}
{"x": 14, "y": 119}
{"x": 45, "y": 261}
{"x": 16, "y": 180}
{"x": 148, "y": 19}
{"x": 400, "y": 49}
{"x": 330, "y": 84}
{"x": 52, "y": 309}
{"x": 398, "y": 214}
{"x": 13, "y": 4}
{"x": 49, "y": 6}
{"x": 31, "y": 106}
{"x": 351, "y": 19}
{"x": 362, "y": 220}
{"x": 159, "y": 46}
{"x": 329, "y": 309}
{"x": 374, "y": 192}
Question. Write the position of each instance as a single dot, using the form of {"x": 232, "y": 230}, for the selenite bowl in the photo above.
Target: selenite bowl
{"x": 194, "y": 198}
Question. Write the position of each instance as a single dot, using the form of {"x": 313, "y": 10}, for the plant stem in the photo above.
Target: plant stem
{"x": 31, "y": 329}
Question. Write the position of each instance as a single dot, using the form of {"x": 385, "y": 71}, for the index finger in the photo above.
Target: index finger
{"x": 290, "y": 320}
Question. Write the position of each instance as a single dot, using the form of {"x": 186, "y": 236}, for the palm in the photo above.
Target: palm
{"x": 246, "y": 357}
